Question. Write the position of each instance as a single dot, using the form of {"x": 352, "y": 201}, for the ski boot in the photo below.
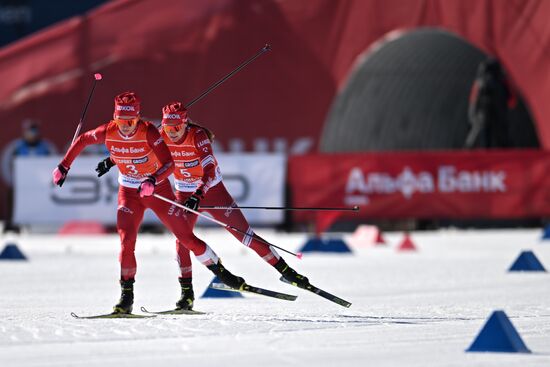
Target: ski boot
{"x": 126, "y": 301}
{"x": 291, "y": 275}
{"x": 226, "y": 277}
{"x": 187, "y": 296}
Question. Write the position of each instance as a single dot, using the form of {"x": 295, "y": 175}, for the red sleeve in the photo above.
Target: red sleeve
{"x": 96, "y": 136}
{"x": 208, "y": 162}
{"x": 162, "y": 152}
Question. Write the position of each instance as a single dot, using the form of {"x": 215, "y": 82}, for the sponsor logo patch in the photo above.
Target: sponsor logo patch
{"x": 125, "y": 108}
{"x": 122, "y": 161}
{"x": 191, "y": 164}
{"x": 204, "y": 142}
{"x": 171, "y": 116}
{"x": 140, "y": 160}
{"x": 125, "y": 209}
{"x": 182, "y": 154}
{"x": 127, "y": 150}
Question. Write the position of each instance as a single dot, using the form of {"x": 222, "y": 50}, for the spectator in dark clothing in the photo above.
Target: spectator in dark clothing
{"x": 490, "y": 99}
{"x": 31, "y": 143}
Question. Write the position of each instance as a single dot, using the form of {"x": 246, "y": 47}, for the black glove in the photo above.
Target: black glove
{"x": 104, "y": 166}
{"x": 194, "y": 200}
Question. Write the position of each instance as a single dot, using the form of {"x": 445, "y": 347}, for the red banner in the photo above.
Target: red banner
{"x": 454, "y": 185}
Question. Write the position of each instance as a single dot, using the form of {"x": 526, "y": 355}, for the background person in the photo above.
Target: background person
{"x": 490, "y": 99}
{"x": 30, "y": 144}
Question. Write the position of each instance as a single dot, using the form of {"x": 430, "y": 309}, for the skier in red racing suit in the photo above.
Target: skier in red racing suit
{"x": 144, "y": 162}
{"x": 197, "y": 179}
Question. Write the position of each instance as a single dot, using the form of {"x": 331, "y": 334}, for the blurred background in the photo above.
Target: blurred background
{"x": 424, "y": 113}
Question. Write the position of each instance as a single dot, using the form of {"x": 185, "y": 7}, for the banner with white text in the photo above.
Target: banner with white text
{"x": 455, "y": 185}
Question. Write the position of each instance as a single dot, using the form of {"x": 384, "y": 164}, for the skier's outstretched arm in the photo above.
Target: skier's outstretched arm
{"x": 96, "y": 136}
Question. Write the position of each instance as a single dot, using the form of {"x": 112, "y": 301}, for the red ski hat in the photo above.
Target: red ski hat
{"x": 127, "y": 104}
{"x": 174, "y": 113}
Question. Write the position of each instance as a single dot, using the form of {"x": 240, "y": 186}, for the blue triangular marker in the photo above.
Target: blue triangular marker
{"x": 546, "y": 233}
{"x": 316, "y": 244}
{"x": 498, "y": 335}
{"x": 12, "y": 252}
{"x": 216, "y": 293}
{"x": 527, "y": 261}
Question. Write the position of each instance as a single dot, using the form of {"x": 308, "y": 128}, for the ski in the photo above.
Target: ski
{"x": 175, "y": 311}
{"x": 251, "y": 289}
{"x": 113, "y": 315}
{"x": 322, "y": 293}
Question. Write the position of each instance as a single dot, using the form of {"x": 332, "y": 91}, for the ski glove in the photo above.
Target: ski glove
{"x": 193, "y": 201}
{"x": 147, "y": 186}
{"x": 59, "y": 175}
{"x": 104, "y": 166}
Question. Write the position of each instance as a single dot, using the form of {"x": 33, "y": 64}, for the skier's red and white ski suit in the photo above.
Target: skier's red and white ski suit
{"x": 196, "y": 167}
{"x": 142, "y": 154}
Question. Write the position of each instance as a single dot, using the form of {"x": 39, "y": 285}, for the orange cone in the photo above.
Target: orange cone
{"x": 407, "y": 244}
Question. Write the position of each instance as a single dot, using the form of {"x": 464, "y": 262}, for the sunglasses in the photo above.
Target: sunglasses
{"x": 128, "y": 123}
{"x": 173, "y": 128}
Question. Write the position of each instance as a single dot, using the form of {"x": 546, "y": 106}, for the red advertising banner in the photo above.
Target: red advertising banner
{"x": 455, "y": 185}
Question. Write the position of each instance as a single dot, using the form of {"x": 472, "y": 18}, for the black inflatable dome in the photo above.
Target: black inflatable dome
{"x": 412, "y": 93}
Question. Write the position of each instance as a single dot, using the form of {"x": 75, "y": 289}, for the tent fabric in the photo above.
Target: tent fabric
{"x": 412, "y": 93}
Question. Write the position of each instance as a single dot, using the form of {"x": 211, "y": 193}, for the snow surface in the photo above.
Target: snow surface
{"x": 409, "y": 309}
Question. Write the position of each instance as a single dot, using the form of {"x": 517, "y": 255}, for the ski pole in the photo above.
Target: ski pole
{"x": 235, "y": 71}
{"x": 353, "y": 209}
{"x": 298, "y": 255}
{"x": 97, "y": 76}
